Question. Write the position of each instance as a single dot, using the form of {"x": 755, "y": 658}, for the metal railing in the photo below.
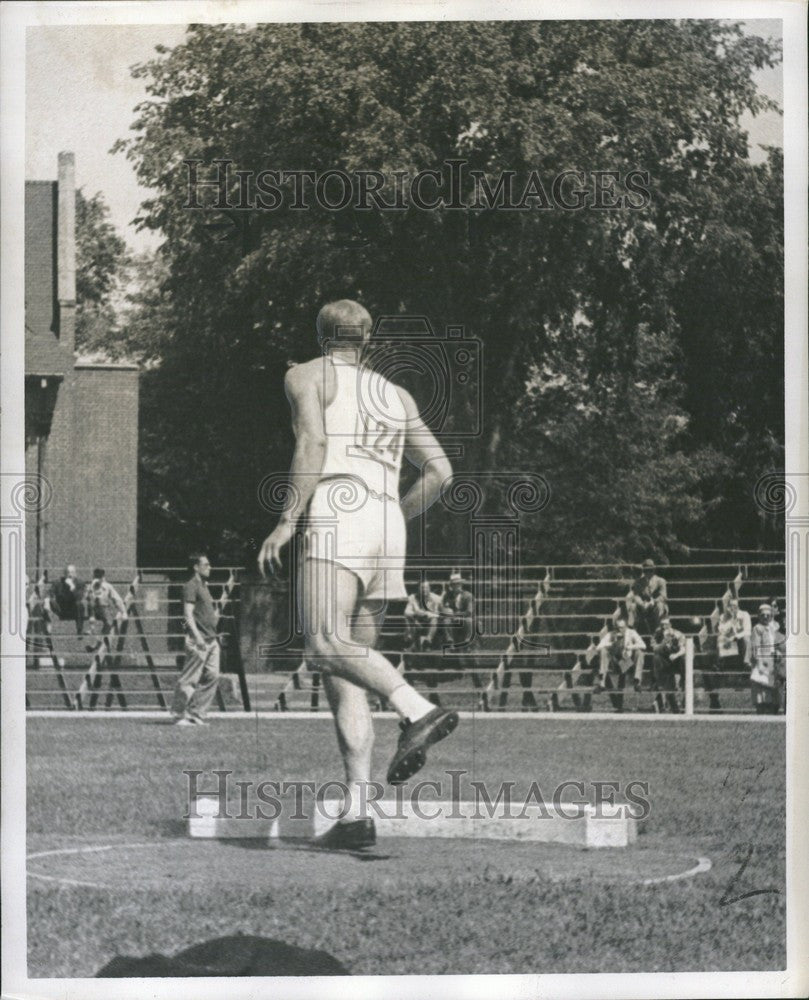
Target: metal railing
{"x": 489, "y": 677}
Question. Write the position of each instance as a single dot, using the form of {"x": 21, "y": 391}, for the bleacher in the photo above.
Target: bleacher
{"x": 582, "y": 600}
{"x": 564, "y": 611}
{"x": 540, "y": 658}
{"x": 137, "y": 665}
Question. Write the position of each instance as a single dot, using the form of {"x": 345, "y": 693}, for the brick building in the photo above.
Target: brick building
{"x": 81, "y": 418}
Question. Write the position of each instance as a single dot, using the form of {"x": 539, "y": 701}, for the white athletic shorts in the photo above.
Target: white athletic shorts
{"x": 362, "y": 533}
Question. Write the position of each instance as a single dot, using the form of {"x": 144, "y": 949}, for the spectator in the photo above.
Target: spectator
{"x": 104, "y": 605}
{"x": 668, "y": 664}
{"x": 733, "y": 643}
{"x": 709, "y": 659}
{"x": 35, "y": 623}
{"x": 767, "y": 646}
{"x": 196, "y": 685}
{"x": 67, "y": 599}
{"x": 647, "y": 600}
{"x": 422, "y": 614}
{"x": 742, "y": 628}
{"x": 620, "y": 650}
{"x": 458, "y": 620}
{"x": 780, "y": 620}
{"x": 421, "y": 618}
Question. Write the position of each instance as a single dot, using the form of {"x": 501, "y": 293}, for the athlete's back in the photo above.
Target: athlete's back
{"x": 354, "y": 518}
{"x": 364, "y": 421}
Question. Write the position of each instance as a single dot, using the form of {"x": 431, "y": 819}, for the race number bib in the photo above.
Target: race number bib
{"x": 379, "y": 441}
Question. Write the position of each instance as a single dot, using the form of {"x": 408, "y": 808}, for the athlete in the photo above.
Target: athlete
{"x": 352, "y": 427}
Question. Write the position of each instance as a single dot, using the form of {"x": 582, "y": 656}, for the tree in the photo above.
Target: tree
{"x": 101, "y": 261}
{"x": 660, "y": 96}
{"x": 729, "y": 296}
{"x": 615, "y": 450}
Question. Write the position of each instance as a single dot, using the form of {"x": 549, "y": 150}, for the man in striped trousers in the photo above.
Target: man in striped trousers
{"x": 196, "y": 686}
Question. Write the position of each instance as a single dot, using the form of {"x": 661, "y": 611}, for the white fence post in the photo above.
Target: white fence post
{"x": 689, "y": 675}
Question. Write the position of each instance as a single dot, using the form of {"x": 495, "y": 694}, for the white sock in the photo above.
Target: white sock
{"x": 409, "y": 703}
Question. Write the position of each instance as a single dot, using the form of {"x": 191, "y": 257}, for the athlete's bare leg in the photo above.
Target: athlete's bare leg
{"x": 330, "y": 603}
{"x": 352, "y": 714}
{"x": 352, "y": 719}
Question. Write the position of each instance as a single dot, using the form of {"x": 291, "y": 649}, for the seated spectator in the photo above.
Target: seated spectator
{"x": 668, "y": 665}
{"x": 768, "y": 655}
{"x": 422, "y": 615}
{"x": 620, "y": 650}
{"x": 647, "y": 600}
{"x": 458, "y": 624}
{"x": 104, "y": 605}
{"x": 66, "y": 599}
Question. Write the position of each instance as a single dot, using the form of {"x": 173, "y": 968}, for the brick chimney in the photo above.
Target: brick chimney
{"x": 66, "y": 250}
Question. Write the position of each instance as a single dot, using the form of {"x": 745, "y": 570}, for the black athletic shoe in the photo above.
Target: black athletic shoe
{"x": 352, "y": 836}
{"x": 410, "y": 755}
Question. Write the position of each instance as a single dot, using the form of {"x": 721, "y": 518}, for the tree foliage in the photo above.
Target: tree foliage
{"x": 101, "y": 262}
{"x": 632, "y": 356}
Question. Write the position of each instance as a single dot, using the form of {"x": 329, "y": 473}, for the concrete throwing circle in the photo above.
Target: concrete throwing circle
{"x": 250, "y": 865}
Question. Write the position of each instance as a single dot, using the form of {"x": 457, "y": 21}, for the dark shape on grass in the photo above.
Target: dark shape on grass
{"x": 237, "y": 955}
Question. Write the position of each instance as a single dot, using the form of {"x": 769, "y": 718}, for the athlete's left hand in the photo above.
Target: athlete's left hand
{"x": 269, "y": 558}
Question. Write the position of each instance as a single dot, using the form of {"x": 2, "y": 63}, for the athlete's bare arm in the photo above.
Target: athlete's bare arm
{"x": 303, "y": 391}
{"x": 423, "y": 451}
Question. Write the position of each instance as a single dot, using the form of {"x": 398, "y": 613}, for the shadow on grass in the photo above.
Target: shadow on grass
{"x": 236, "y": 955}
{"x": 301, "y": 845}
{"x": 173, "y": 828}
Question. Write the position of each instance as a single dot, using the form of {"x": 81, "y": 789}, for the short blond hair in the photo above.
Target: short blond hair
{"x": 343, "y": 320}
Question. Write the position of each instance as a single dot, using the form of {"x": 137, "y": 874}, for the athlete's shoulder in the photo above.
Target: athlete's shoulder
{"x": 300, "y": 370}
{"x": 298, "y": 376}
{"x": 407, "y": 400}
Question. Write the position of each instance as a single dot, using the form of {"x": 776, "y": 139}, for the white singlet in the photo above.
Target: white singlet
{"x": 354, "y": 517}
{"x": 365, "y": 428}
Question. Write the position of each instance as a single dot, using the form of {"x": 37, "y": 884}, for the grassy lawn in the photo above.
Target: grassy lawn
{"x": 716, "y": 790}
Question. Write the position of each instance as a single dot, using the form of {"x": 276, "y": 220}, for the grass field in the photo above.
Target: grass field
{"x": 716, "y": 790}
